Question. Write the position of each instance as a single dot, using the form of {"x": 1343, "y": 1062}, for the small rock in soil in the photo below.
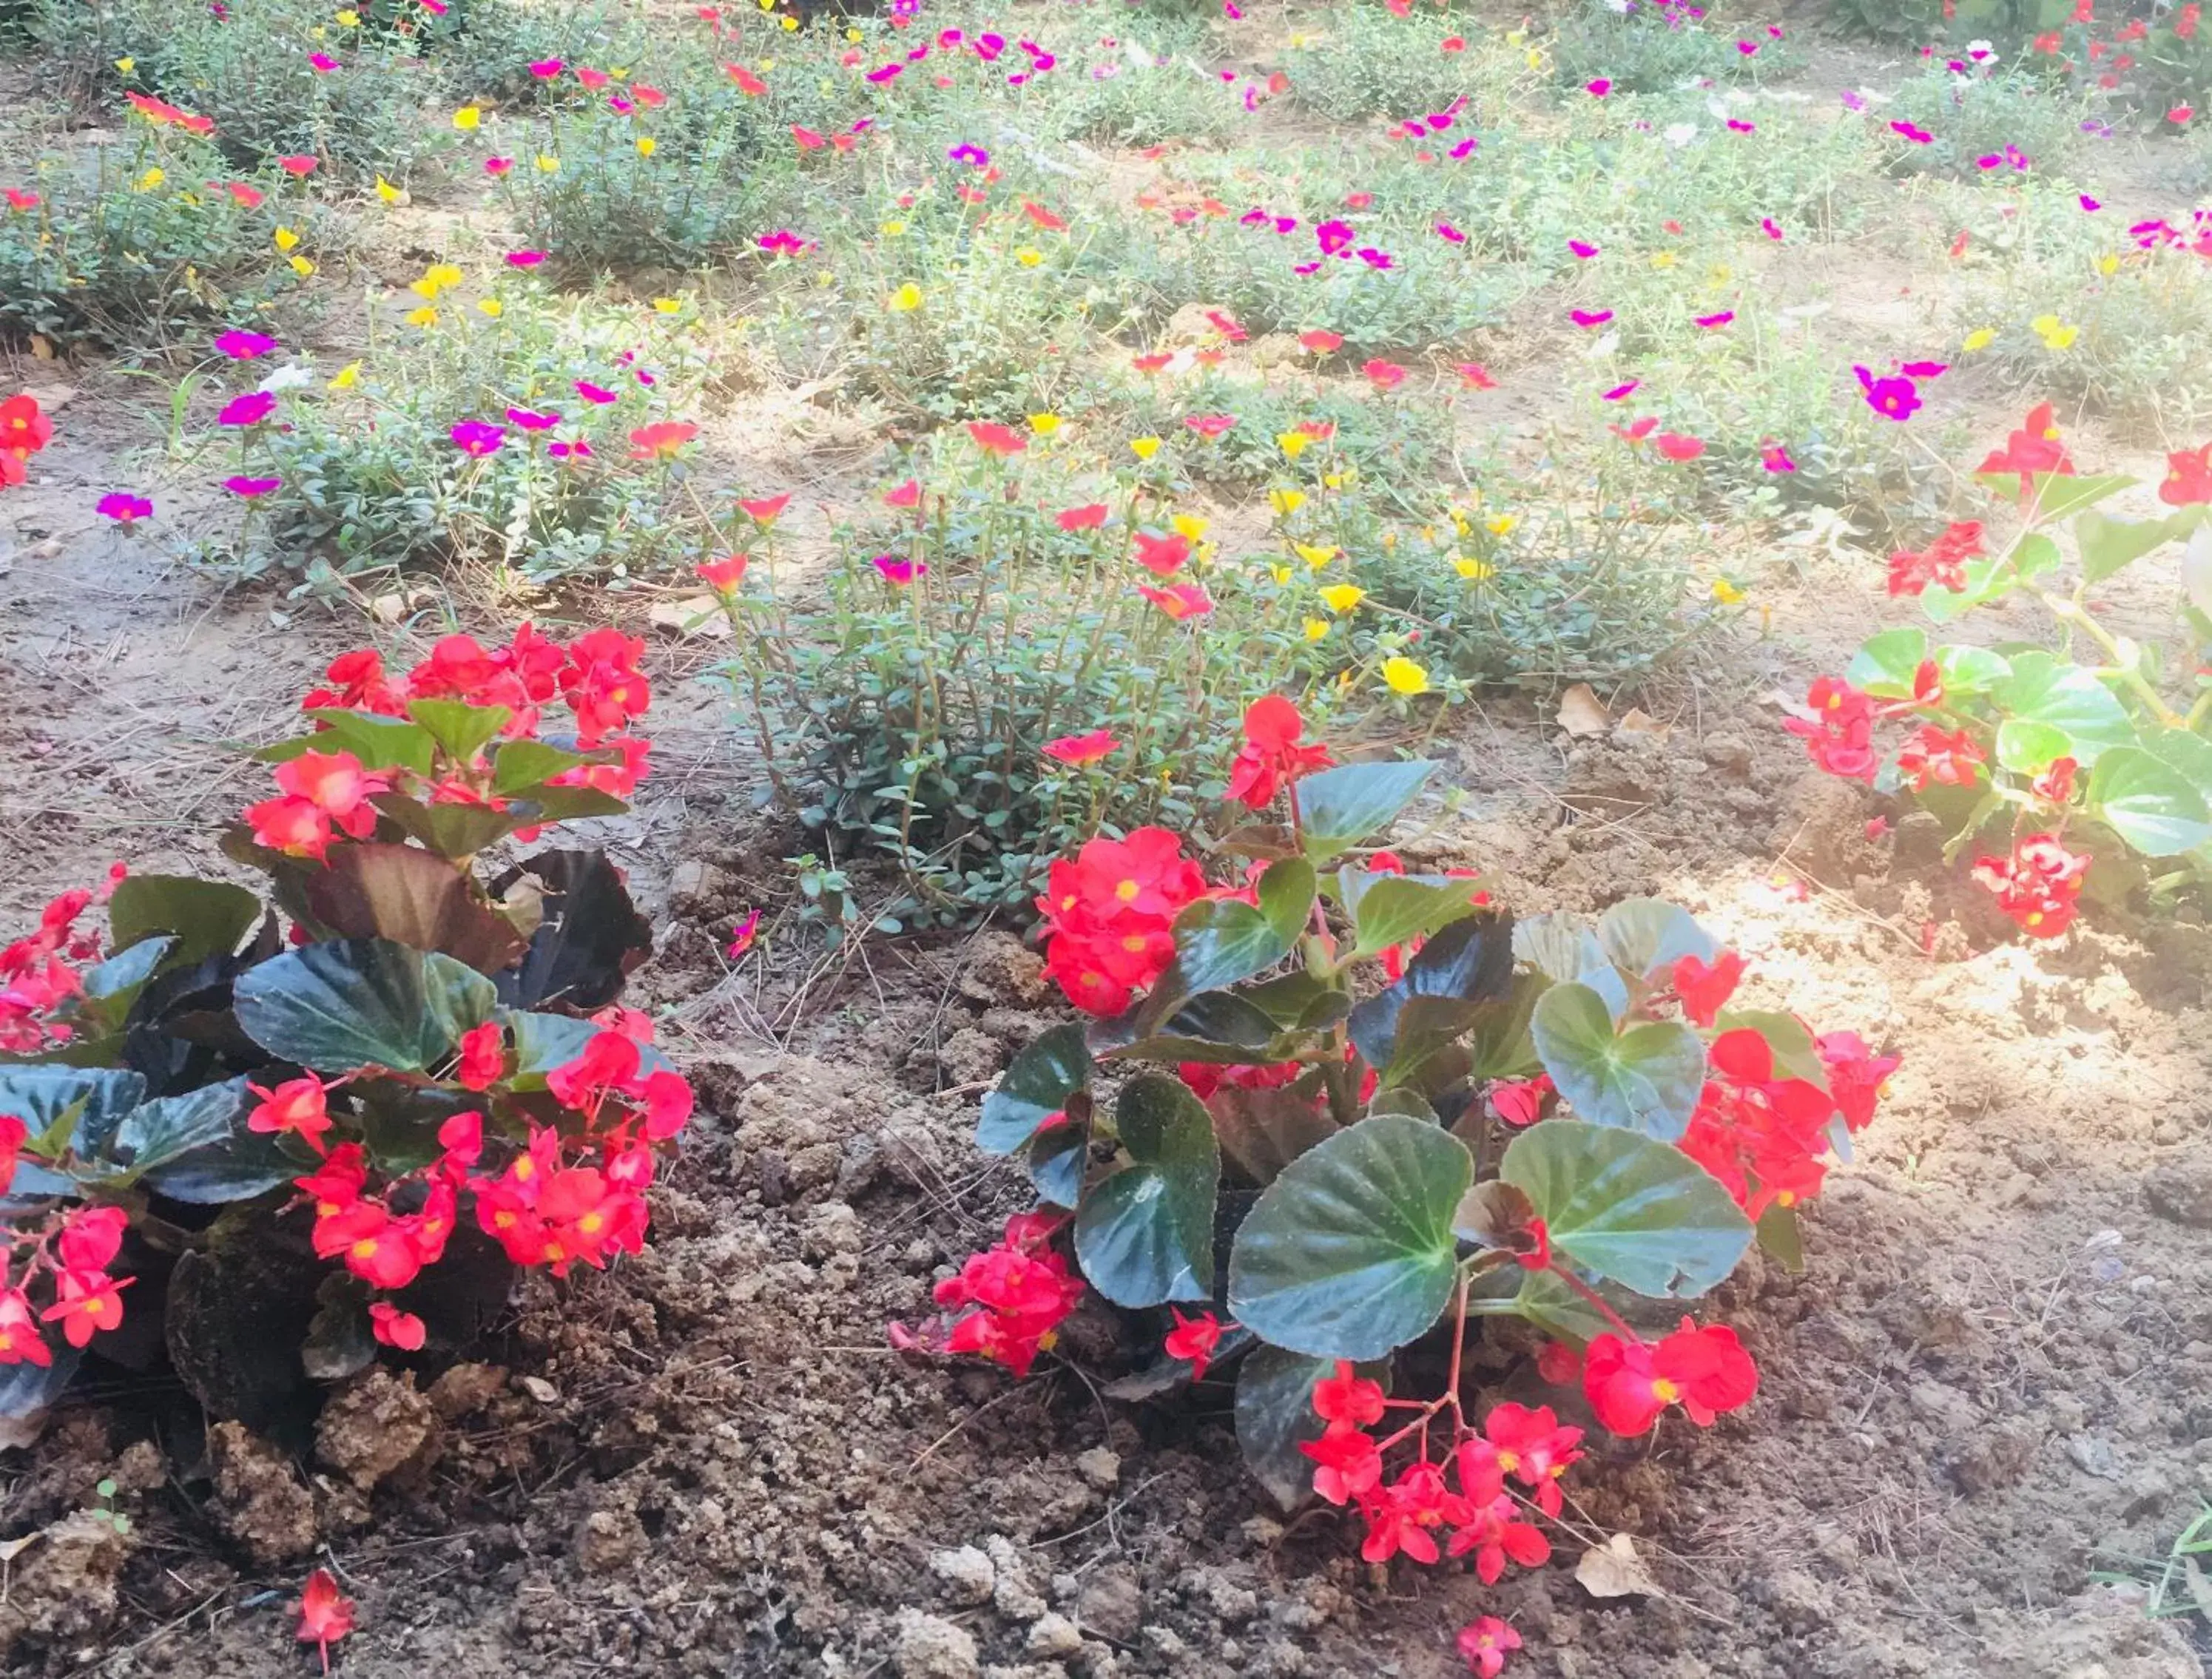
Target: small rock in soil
{"x": 1001, "y": 969}
{"x": 609, "y": 1541}
{"x": 2181, "y": 1191}
{"x": 258, "y": 1500}
{"x": 370, "y": 1430}
{"x": 2094, "y": 1455}
{"x": 1994, "y": 1457}
{"x": 928, "y": 1648}
{"x": 1101, "y": 1466}
{"x": 64, "y": 1586}
{"x": 965, "y": 1574}
{"x": 465, "y": 1390}
{"x": 1112, "y": 1605}
{"x": 1015, "y": 1598}
{"x": 1052, "y": 1637}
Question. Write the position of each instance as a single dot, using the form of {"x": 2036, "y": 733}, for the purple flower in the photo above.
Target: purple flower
{"x": 250, "y": 410}
{"x": 896, "y": 570}
{"x": 478, "y": 438}
{"x": 974, "y": 156}
{"x": 528, "y": 420}
{"x": 124, "y": 508}
{"x": 524, "y": 258}
{"x": 1587, "y": 319}
{"x": 1853, "y": 101}
{"x": 595, "y": 393}
{"x": 250, "y": 487}
{"x": 245, "y": 345}
{"x": 1892, "y": 399}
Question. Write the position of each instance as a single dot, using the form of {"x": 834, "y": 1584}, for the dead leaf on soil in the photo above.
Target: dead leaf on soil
{"x": 1615, "y": 1570}
{"x": 697, "y": 614}
{"x": 1641, "y": 722}
{"x": 12, "y": 1549}
{"x": 1581, "y": 713}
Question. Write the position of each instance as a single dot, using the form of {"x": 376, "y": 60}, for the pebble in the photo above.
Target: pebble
{"x": 928, "y": 1648}
{"x": 1054, "y": 1635}
{"x": 966, "y": 1574}
{"x": 1101, "y": 1467}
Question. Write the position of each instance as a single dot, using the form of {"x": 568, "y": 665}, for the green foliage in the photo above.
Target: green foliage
{"x": 1977, "y": 115}
{"x": 1646, "y": 49}
{"x": 1365, "y": 62}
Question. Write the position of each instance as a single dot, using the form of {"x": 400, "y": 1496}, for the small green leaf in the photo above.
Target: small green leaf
{"x": 519, "y": 765}
{"x": 380, "y": 742}
{"x": 154, "y": 1133}
{"x": 122, "y": 974}
{"x": 1639, "y": 1211}
{"x": 1340, "y": 808}
{"x": 458, "y": 727}
{"x": 1349, "y": 1252}
{"x": 2191, "y": 753}
{"x": 455, "y": 831}
{"x": 1146, "y": 1235}
{"x": 2110, "y": 545}
{"x": 1646, "y": 1078}
{"x": 1466, "y": 965}
{"x": 2058, "y": 494}
{"x": 2029, "y": 748}
{"x": 2042, "y": 689}
{"x": 208, "y": 918}
{"x": 362, "y": 1002}
{"x": 1641, "y": 935}
{"x": 1886, "y": 664}
{"x": 1037, "y": 1084}
{"x": 1967, "y": 670}
{"x": 2148, "y": 803}
{"x": 1387, "y": 910}
{"x": 1220, "y": 941}
{"x": 1779, "y": 1237}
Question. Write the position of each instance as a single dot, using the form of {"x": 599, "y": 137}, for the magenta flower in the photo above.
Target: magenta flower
{"x": 250, "y": 488}
{"x": 124, "y": 508}
{"x": 1853, "y": 101}
{"x": 1466, "y": 148}
{"x": 250, "y": 410}
{"x": 529, "y": 420}
{"x": 498, "y": 166}
{"x": 1583, "y": 249}
{"x": 323, "y": 62}
{"x": 1925, "y": 369}
{"x": 893, "y": 569}
{"x": 1622, "y": 392}
{"x": 1721, "y": 319}
{"x": 1333, "y": 237}
{"x": 524, "y": 258}
{"x": 1600, "y": 87}
{"x": 1587, "y": 319}
{"x": 562, "y": 452}
{"x": 1737, "y": 125}
{"x": 2090, "y": 205}
{"x": 1768, "y": 226}
{"x": 546, "y": 69}
{"x": 1446, "y": 231}
{"x": 595, "y": 393}
{"x": 975, "y": 156}
{"x": 1892, "y": 399}
{"x": 1775, "y": 458}
{"x": 1918, "y": 136}
{"x": 477, "y": 437}
{"x": 241, "y": 346}
{"x": 785, "y": 243}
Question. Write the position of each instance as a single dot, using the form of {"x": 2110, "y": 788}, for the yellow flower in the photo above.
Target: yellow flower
{"x": 1335, "y": 480}
{"x": 1286, "y": 502}
{"x": 425, "y": 289}
{"x": 150, "y": 180}
{"x": 2055, "y": 333}
{"x": 907, "y": 297}
{"x": 1316, "y": 628}
{"x": 1402, "y": 676}
{"x": 300, "y": 266}
{"x": 426, "y": 315}
{"x": 490, "y": 306}
{"x": 349, "y": 19}
{"x": 1189, "y": 526}
{"x": 668, "y": 306}
{"x": 1473, "y": 569}
{"x": 646, "y": 145}
{"x": 1534, "y": 58}
{"x": 468, "y": 119}
{"x": 286, "y": 239}
{"x": 893, "y": 229}
{"x": 1979, "y": 339}
{"x": 1293, "y": 444}
{"x": 1044, "y": 425}
{"x": 1459, "y": 522}
{"x": 2108, "y": 263}
{"x": 789, "y": 22}
{"x": 1501, "y": 524}
{"x": 853, "y": 34}
{"x": 1315, "y": 556}
{"x": 1280, "y": 574}
{"x": 387, "y": 191}
{"x": 1663, "y": 259}
{"x": 1726, "y": 592}
{"x": 548, "y": 164}
{"x": 1341, "y": 597}
{"x": 347, "y": 377}
{"x": 124, "y": 66}
{"x": 1029, "y": 255}
{"x": 1144, "y": 447}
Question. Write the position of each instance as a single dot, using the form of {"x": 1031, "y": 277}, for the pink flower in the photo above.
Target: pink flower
{"x": 241, "y": 346}
{"x": 250, "y": 410}
{"x": 478, "y": 438}
{"x": 524, "y": 258}
{"x": 1077, "y": 750}
{"x": 124, "y": 508}
{"x": 323, "y": 63}
{"x": 250, "y": 487}
{"x": 895, "y": 570}
{"x": 1600, "y": 87}
{"x": 1587, "y": 319}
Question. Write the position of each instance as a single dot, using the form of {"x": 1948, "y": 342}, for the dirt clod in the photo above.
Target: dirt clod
{"x": 965, "y": 1574}
{"x": 376, "y": 1427}
{"x": 2182, "y": 1190}
{"x": 260, "y": 1500}
{"x": 928, "y": 1648}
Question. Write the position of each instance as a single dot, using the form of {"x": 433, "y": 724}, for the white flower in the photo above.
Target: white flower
{"x": 290, "y": 378}
{"x": 1680, "y": 134}
{"x": 1978, "y": 50}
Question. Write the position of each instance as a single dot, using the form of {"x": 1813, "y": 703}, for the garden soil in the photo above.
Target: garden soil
{"x": 1990, "y": 1386}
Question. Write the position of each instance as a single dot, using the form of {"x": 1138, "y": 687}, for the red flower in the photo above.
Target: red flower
{"x": 1180, "y": 601}
{"x": 2188, "y": 477}
{"x": 1942, "y": 564}
{"x": 764, "y": 511}
{"x": 1406, "y": 1515}
{"x": 483, "y": 1055}
{"x": 1193, "y": 1338}
{"x": 1348, "y": 1465}
{"x": 1840, "y": 734}
{"x": 336, "y": 783}
{"x": 1347, "y": 1397}
{"x": 325, "y": 1615}
{"x": 2033, "y": 449}
{"x": 1930, "y": 756}
{"x": 1210, "y": 425}
{"x": 1477, "y": 376}
{"x": 1080, "y": 749}
{"x": 296, "y": 1105}
{"x": 908, "y": 494}
{"x": 92, "y": 1238}
{"x": 1557, "y": 1363}
{"x": 723, "y": 576}
{"x": 1271, "y": 755}
{"x": 20, "y": 1342}
{"x": 86, "y": 1302}
{"x": 1383, "y": 375}
{"x": 1677, "y": 447}
{"x": 1493, "y": 1531}
{"x": 1043, "y": 217}
{"x": 1532, "y": 1446}
{"x": 661, "y": 440}
{"x": 24, "y": 430}
{"x": 1483, "y": 1644}
{"x": 1162, "y": 556}
{"x": 1705, "y": 1371}
{"x": 376, "y": 1247}
{"x": 1022, "y": 1292}
{"x": 2037, "y": 886}
{"x": 1704, "y": 992}
{"x": 1082, "y": 518}
{"x": 336, "y": 1185}
{"x": 1857, "y": 1076}
{"x": 1521, "y": 1101}
{"x": 2055, "y": 785}
{"x": 1320, "y": 340}
{"x": 1110, "y": 910}
{"x": 394, "y": 1328}
{"x": 993, "y": 439}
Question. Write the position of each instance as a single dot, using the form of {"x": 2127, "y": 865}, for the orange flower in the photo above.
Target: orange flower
{"x": 661, "y": 440}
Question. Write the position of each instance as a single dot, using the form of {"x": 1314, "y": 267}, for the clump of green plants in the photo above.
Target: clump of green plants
{"x": 249, "y": 1137}
{"x": 1365, "y": 61}
{"x": 2097, "y": 748}
{"x": 1657, "y": 44}
{"x": 1982, "y": 121}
